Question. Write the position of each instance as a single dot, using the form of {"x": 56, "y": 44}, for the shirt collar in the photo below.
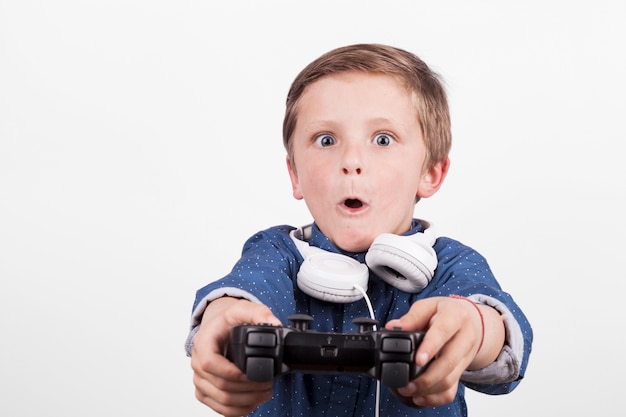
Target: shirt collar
{"x": 318, "y": 239}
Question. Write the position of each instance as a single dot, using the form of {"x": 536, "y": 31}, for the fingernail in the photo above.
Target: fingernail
{"x": 422, "y": 359}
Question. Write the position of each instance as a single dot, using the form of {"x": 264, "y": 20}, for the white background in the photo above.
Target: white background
{"x": 140, "y": 145}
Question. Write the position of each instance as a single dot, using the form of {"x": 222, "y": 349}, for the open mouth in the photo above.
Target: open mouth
{"x": 353, "y": 203}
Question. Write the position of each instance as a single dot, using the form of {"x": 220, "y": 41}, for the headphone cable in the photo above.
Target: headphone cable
{"x": 373, "y": 317}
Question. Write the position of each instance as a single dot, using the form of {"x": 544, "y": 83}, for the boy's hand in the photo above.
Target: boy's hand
{"x": 219, "y": 383}
{"x": 453, "y": 332}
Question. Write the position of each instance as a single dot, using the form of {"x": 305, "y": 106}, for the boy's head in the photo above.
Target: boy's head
{"x": 429, "y": 97}
{"x": 367, "y": 134}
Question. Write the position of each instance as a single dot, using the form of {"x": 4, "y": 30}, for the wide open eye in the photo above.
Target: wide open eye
{"x": 325, "y": 140}
{"x": 383, "y": 139}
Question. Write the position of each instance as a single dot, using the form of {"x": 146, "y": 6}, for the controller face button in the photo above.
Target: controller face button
{"x": 396, "y": 345}
{"x": 395, "y": 374}
{"x": 260, "y": 369}
{"x": 261, "y": 339}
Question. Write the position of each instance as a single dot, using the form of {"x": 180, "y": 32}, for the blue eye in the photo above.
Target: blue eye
{"x": 325, "y": 140}
{"x": 383, "y": 139}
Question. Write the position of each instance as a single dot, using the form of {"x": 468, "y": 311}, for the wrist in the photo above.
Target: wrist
{"x": 482, "y": 319}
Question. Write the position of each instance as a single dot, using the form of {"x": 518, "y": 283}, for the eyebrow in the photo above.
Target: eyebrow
{"x": 323, "y": 124}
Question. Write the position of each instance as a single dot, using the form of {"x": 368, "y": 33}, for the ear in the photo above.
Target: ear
{"x": 295, "y": 184}
{"x": 432, "y": 179}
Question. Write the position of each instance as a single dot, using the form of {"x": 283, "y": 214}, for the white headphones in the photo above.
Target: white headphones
{"x": 405, "y": 262}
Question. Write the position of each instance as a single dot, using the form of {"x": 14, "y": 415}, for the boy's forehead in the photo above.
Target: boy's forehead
{"x": 357, "y": 88}
{"x": 362, "y": 77}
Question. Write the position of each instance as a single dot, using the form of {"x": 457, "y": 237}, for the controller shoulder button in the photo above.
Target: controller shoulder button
{"x": 396, "y": 345}
{"x": 261, "y": 339}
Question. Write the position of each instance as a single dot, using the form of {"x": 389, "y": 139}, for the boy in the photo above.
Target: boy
{"x": 367, "y": 134}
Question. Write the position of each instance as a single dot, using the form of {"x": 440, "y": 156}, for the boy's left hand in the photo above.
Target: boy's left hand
{"x": 453, "y": 333}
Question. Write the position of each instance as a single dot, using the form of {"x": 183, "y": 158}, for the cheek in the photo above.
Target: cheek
{"x": 313, "y": 176}
{"x": 399, "y": 179}
{"x": 313, "y": 185}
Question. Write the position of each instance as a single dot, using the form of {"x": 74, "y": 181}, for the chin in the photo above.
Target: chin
{"x": 353, "y": 243}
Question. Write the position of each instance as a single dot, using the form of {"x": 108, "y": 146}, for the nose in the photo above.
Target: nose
{"x": 349, "y": 170}
{"x": 352, "y": 162}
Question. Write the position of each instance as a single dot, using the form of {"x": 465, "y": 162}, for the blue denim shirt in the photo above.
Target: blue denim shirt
{"x": 267, "y": 272}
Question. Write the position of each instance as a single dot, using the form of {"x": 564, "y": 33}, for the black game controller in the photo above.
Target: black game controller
{"x": 264, "y": 351}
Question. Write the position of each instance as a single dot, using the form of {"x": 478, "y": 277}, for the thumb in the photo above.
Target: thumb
{"x": 244, "y": 311}
{"x": 417, "y": 318}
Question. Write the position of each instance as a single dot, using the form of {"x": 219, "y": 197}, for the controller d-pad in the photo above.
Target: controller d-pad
{"x": 261, "y": 339}
{"x": 396, "y": 345}
{"x": 260, "y": 369}
{"x": 395, "y": 374}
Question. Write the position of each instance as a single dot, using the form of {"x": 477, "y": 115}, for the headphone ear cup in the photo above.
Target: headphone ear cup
{"x": 332, "y": 277}
{"x": 405, "y": 262}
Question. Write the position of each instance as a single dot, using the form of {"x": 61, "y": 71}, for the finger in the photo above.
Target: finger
{"x": 424, "y": 315}
{"x": 438, "y": 335}
{"x": 433, "y": 388}
{"x": 451, "y": 326}
{"x": 229, "y": 404}
{"x": 444, "y": 371}
{"x": 211, "y": 364}
{"x": 432, "y": 400}
{"x": 219, "y": 318}
{"x": 236, "y": 397}
{"x": 244, "y": 311}
{"x": 438, "y": 384}
{"x": 218, "y": 387}
{"x": 417, "y": 318}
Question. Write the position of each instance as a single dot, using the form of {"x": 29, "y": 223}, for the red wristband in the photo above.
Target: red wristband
{"x": 480, "y": 313}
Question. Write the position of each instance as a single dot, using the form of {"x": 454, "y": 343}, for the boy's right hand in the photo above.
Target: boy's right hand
{"x": 219, "y": 383}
